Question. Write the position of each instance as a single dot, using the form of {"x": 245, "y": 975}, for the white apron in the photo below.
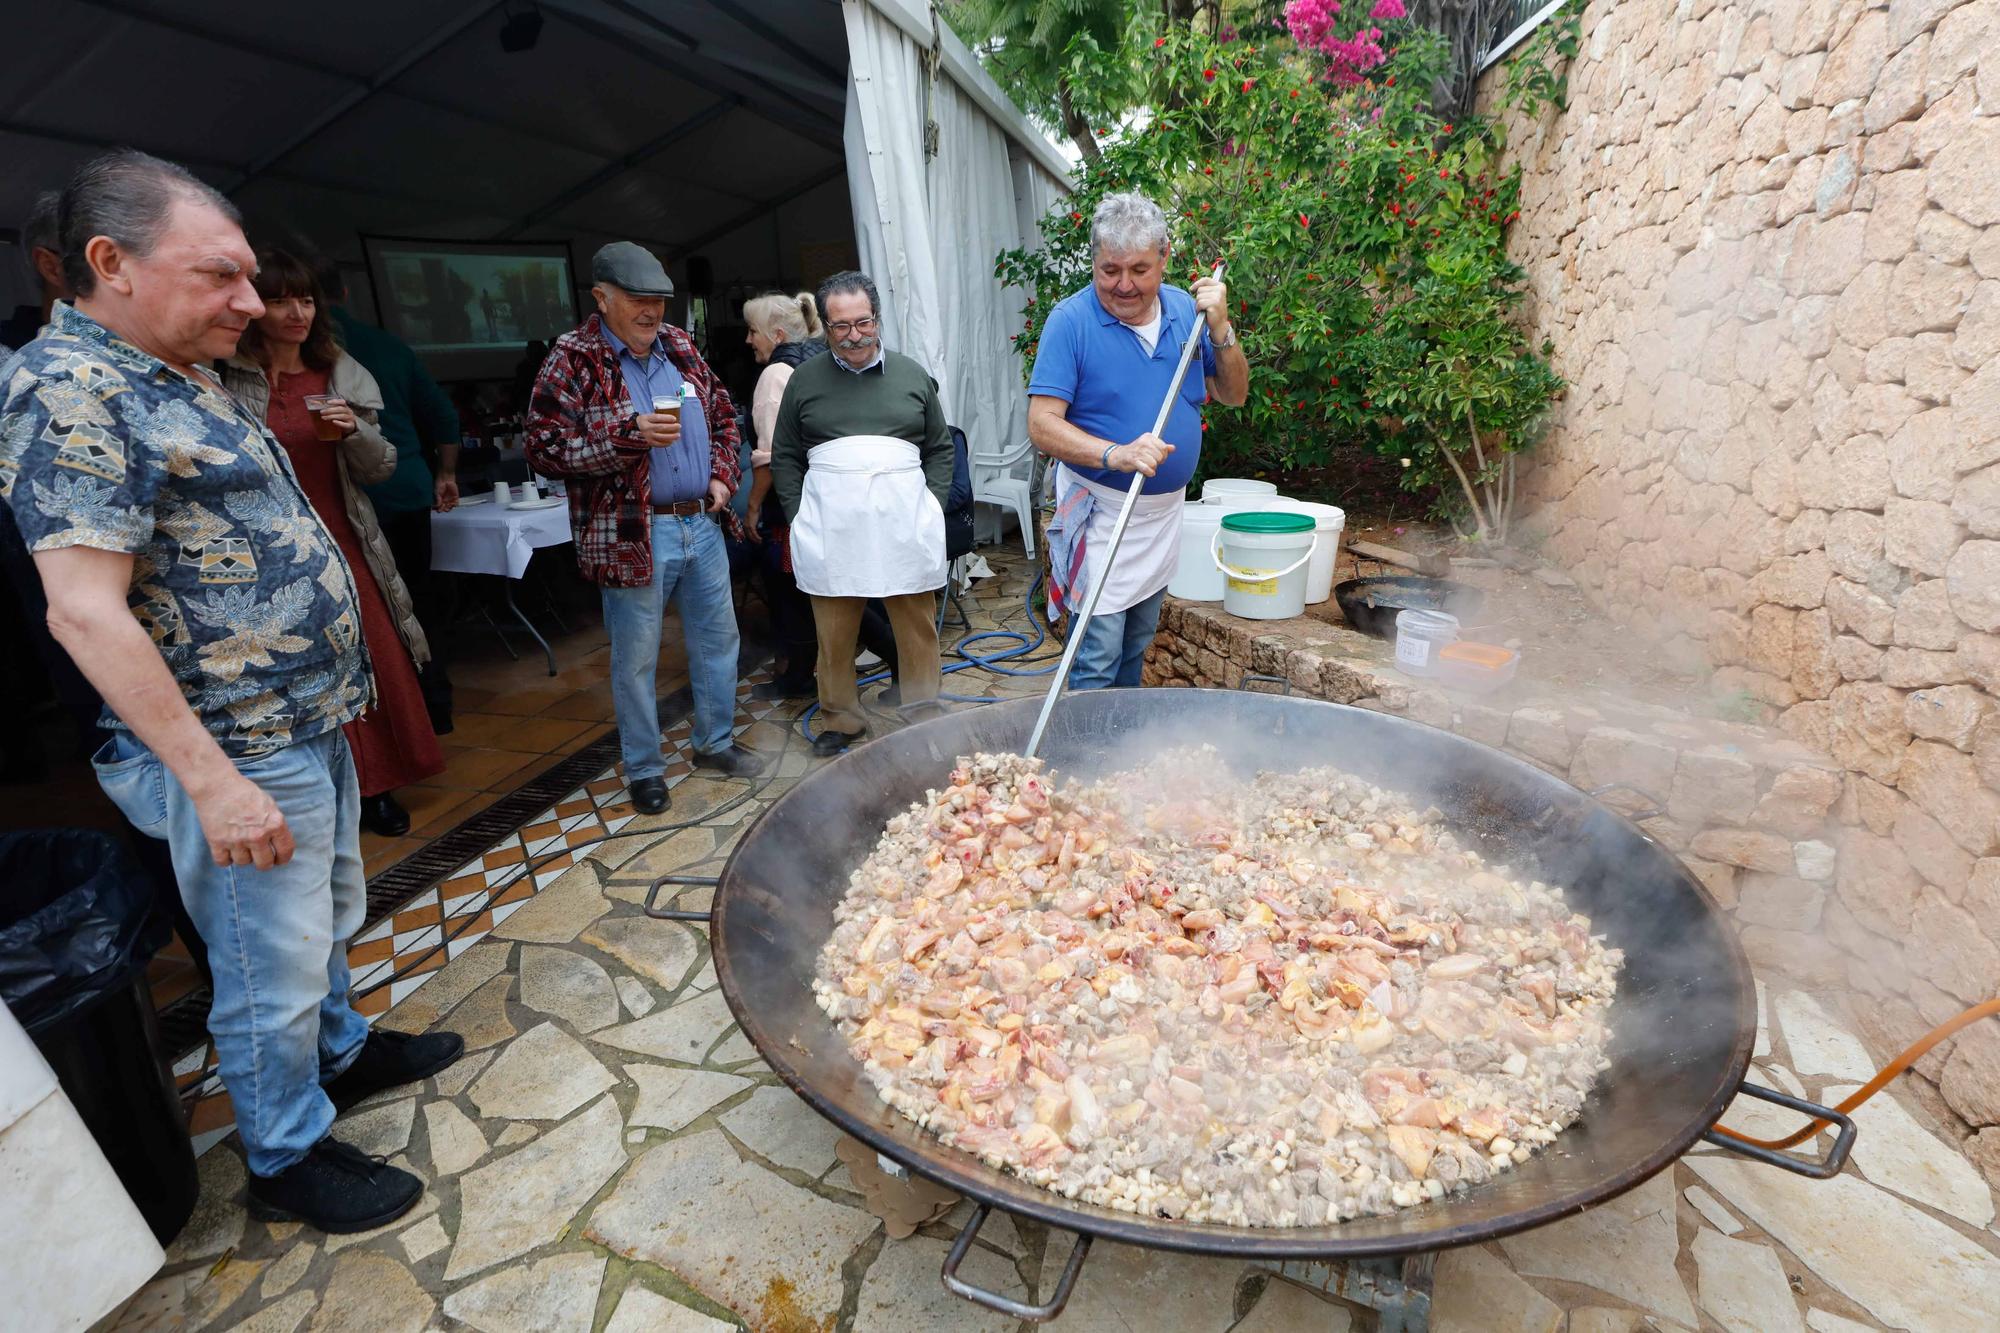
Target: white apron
{"x": 1148, "y": 554}
{"x": 867, "y": 524}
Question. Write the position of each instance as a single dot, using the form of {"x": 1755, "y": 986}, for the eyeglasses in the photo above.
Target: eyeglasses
{"x": 843, "y": 327}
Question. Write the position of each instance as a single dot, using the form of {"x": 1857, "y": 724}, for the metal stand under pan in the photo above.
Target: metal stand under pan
{"x": 1397, "y": 1289}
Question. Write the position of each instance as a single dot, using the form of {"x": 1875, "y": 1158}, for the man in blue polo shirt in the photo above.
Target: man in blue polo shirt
{"x": 1106, "y": 358}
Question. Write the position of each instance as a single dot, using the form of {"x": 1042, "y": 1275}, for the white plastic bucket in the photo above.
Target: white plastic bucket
{"x": 1262, "y": 556}
{"x": 1420, "y": 633}
{"x": 1196, "y": 579}
{"x": 1217, "y": 489}
{"x": 1329, "y": 521}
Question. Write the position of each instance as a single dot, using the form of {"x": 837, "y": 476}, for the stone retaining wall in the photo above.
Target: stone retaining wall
{"x": 1765, "y": 240}
{"x": 1804, "y": 859}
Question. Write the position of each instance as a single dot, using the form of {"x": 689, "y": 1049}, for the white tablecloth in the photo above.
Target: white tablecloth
{"x": 486, "y": 539}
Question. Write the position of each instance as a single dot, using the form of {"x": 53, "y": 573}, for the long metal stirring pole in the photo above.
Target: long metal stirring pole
{"x": 1089, "y": 608}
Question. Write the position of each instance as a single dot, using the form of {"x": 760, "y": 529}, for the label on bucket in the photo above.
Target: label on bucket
{"x": 1262, "y": 587}
{"x": 1413, "y": 651}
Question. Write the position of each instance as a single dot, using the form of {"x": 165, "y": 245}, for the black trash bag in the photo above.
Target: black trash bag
{"x": 78, "y": 918}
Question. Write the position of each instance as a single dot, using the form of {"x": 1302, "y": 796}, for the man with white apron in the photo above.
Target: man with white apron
{"x": 861, "y": 460}
{"x": 1106, "y": 358}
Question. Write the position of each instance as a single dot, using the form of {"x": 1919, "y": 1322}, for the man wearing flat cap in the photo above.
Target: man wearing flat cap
{"x": 629, "y": 415}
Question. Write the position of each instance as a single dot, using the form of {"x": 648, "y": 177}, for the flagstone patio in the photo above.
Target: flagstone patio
{"x": 611, "y": 1154}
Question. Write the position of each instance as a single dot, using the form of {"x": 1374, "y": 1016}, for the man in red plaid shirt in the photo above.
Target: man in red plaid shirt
{"x": 629, "y": 415}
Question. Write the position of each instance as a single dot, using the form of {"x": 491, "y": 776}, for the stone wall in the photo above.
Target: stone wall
{"x": 1765, "y": 239}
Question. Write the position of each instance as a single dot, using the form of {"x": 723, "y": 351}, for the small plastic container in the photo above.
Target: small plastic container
{"x": 1420, "y": 635}
{"x": 1476, "y": 667}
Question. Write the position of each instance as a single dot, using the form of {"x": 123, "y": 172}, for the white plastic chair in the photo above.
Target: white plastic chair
{"x": 1003, "y": 479}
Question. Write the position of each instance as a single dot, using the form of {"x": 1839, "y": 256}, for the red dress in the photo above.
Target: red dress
{"x": 393, "y": 742}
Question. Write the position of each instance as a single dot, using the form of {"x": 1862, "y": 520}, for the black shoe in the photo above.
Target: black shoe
{"x": 833, "y": 742}
{"x": 337, "y": 1188}
{"x": 777, "y": 691}
{"x": 735, "y": 762}
{"x": 382, "y": 814}
{"x": 391, "y": 1059}
{"x": 441, "y": 724}
{"x": 649, "y": 796}
{"x": 891, "y": 697}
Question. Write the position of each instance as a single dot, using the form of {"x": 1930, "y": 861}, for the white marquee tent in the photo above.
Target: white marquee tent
{"x": 775, "y": 139}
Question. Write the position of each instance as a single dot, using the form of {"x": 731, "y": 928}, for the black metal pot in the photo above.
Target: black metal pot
{"x": 1372, "y": 604}
{"x": 1683, "y": 1022}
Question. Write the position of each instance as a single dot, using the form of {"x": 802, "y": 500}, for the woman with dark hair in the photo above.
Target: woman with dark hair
{"x": 322, "y": 406}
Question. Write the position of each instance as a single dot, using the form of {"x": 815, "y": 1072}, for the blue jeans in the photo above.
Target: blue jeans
{"x": 277, "y": 938}
{"x": 1114, "y": 646}
{"x": 691, "y": 569}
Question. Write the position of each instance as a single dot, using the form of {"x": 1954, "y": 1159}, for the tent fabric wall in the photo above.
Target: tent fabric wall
{"x": 929, "y": 229}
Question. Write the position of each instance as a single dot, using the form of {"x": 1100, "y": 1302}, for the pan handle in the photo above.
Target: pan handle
{"x": 653, "y": 909}
{"x": 1823, "y": 1169}
{"x": 1013, "y": 1309}
{"x": 1259, "y": 677}
{"x": 1653, "y": 808}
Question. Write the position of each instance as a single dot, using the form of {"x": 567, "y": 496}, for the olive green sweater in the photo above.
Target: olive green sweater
{"x": 824, "y": 401}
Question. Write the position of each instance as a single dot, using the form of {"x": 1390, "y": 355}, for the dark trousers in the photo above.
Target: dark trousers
{"x": 409, "y": 537}
{"x": 798, "y": 636}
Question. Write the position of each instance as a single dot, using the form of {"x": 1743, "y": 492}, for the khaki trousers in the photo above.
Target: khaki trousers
{"x": 837, "y": 620}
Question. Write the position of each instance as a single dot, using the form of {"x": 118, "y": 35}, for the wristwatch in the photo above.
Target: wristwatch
{"x": 1104, "y": 462}
{"x": 1221, "y": 346}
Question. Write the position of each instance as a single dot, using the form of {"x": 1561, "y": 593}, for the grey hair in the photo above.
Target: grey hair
{"x": 772, "y": 311}
{"x": 1127, "y": 222}
{"x": 127, "y": 196}
{"x": 38, "y": 229}
{"x": 848, "y": 281}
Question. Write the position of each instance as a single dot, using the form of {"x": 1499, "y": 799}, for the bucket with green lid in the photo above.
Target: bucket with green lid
{"x": 1263, "y": 555}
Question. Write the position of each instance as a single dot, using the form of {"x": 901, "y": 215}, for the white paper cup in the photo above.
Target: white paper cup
{"x": 502, "y": 496}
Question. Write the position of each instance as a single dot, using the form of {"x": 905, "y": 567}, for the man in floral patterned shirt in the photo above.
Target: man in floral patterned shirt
{"x": 191, "y": 582}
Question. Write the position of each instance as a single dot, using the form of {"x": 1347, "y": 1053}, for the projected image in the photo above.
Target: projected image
{"x": 449, "y": 300}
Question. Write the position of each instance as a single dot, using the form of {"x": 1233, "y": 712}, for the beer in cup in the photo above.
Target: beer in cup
{"x": 316, "y": 405}
{"x": 667, "y": 405}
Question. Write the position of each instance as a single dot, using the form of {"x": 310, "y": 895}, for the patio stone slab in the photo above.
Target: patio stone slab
{"x": 782, "y": 1129}
{"x": 902, "y": 1294}
{"x": 632, "y": 993}
{"x": 644, "y": 1311}
{"x": 1626, "y": 1246}
{"x": 284, "y": 1317}
{"x": 379, "y": 1131}
{"x": 482, "y": 1020}
{"x": 455, "y": 1142}
{"x": 1818, "y": 1044}
{"x": 1475, "y": 1291}
{"x": 449, "y": 986}
{"x": 559, "y": 913}
{"x": 217, "y": 1221}
{"x": 284, "y": 1274}
{"x": 426, "y": 1206}
{"x": 659, "y": 951}
{"x": 671, "y": 1098}
{"x": 734, "y": 1050}
{"x": 1743, "y": 1286}
{"x": 372, "y": 1293}
{"x": 424, "y": 1239}
{"x": 1903, "y": 1266}
{"x": 518, "y": 1202}
{"x": 458, "y": 1077}
{"x": 735, "y": 1232}
{"x": 556, "y": 1295}
{"x": 1712, "y": 1208}
{"x": 568, "y": 986}
{"x": 544, "y": 1075}
{"x": 1286, "y": 1307}
{"x": 1123, "y": 1287}
{"x": 1899, "y": 1154}
{"x": 634, "y": 859}
{"x": 683, "y": 1032}
{"x": 515, "y": 1135}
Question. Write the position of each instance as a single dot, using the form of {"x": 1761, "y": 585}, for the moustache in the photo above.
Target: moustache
{"x": 856, "y": 343}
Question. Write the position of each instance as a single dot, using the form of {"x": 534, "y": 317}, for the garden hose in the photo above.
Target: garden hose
{"x": 1913, "y": 1053}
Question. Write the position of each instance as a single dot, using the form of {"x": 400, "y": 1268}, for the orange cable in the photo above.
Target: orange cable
{"x": 1915, "y": 1052}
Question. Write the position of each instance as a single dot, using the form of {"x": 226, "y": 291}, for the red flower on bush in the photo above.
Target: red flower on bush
{"x": 1208, "y": 74}
{"x": 1159, "y": 42}
{"x": 1248, "y": 84}
{"x": 1304, "y": 221}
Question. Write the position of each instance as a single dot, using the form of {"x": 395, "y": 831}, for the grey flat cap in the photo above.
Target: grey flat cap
{"x": 631, "y": 268}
